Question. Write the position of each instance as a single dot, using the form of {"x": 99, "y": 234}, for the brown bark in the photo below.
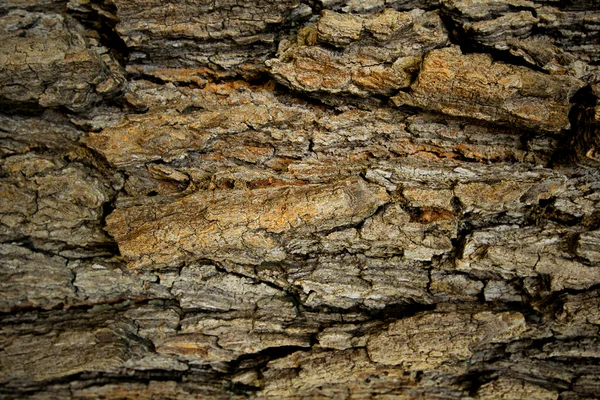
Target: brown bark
{"x": 287, "y": 199}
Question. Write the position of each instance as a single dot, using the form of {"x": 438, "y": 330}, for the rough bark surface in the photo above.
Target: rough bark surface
{"x": 299, "y": 199}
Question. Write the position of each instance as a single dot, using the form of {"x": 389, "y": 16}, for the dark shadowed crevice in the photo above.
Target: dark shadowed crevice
{"x": 101, "y": 17}
{"x": 462, "y": 38}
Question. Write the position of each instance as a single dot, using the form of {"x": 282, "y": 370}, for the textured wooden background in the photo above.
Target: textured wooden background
{"x": 299, "y": 199}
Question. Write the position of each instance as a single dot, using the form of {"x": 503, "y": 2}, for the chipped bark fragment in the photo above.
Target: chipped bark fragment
{"x": 46, "y": 59}
{"x": 23, "y": 280}
{"x": 474, "y": 85}
{"x": 506, "y": 388}
{"x": 238, "y": 227}
{"x": 510, "y": 251}
{"x": 431, "y": 341}
{"x": 377, "y": 55}
{"x": 222, "y": 38}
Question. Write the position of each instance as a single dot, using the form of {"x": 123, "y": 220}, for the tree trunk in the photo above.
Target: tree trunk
{"x": 299, "y": 199}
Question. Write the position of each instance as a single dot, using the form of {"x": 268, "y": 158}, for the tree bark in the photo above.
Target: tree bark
{"x": 299, "y": 199}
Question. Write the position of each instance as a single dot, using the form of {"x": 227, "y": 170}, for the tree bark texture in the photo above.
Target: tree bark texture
{"x": 341, "y": 199}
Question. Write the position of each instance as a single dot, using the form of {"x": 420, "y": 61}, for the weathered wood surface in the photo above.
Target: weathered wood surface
{"x": 299, "y": 199}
